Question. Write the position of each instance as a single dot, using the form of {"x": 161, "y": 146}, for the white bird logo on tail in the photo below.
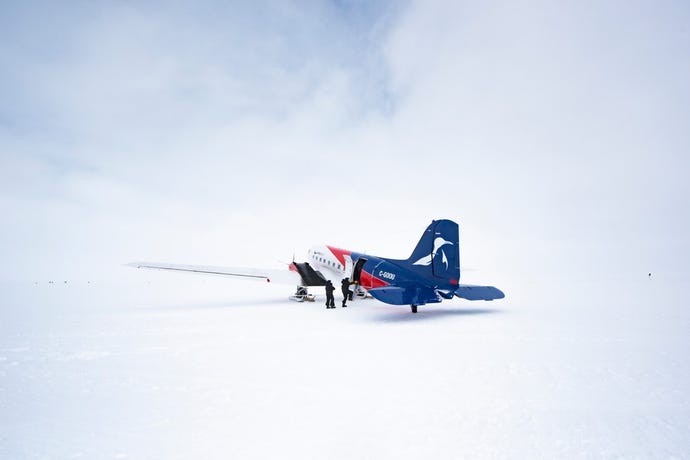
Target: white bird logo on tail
{"x": 438, "y": 243}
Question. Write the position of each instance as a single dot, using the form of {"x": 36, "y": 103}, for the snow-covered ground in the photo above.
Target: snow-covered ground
{"x": 191, "y": 367}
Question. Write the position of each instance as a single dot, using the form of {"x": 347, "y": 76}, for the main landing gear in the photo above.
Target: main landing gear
{"x": 302, "y": 295}
{"x": 414, "y": 308}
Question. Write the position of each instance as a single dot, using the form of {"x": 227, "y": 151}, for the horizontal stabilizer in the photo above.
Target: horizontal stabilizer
{"x": 469, "y": 292}
{"x": 259, "y": 274}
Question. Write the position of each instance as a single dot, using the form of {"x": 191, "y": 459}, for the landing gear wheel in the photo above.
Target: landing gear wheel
{"x": 414, "y": 308}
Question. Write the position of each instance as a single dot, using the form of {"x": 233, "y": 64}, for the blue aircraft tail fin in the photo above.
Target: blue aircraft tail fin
{"x": 437, "y": 254}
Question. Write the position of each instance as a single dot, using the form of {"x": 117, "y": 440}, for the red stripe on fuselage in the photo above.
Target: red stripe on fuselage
{"x": 368, "y": 281}
{"x": 339, "y": 253}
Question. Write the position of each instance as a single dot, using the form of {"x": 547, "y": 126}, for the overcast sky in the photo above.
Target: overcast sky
{"x": 236, "y": 133}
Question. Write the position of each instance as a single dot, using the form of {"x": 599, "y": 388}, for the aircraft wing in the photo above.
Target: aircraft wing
{"x": 471, "y": 292}
{"x": 284, "y": 276}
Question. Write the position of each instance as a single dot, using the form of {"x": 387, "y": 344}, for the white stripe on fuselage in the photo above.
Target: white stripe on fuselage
{"x": 322, "y": 259}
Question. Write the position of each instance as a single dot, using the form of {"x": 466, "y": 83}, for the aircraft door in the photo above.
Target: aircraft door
{"x": 357, "y": 271}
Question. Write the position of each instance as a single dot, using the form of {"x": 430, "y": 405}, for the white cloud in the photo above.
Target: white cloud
{"x": 536, "y": 126}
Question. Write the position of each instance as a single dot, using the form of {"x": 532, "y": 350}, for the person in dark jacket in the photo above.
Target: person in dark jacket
{"x": 347, "y": 293}
{"x": 330, "y": 301}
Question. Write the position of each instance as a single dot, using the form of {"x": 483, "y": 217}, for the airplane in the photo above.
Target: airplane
{"x": 429, "y": 275}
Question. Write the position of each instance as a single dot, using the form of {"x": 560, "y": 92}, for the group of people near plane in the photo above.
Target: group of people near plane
{"x": 347, "y": 293}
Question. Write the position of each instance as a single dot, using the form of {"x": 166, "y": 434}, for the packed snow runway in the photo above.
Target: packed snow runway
{"x": 186, "y": 367}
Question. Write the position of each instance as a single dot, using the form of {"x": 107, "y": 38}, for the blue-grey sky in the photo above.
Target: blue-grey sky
{"x": 234, "y": 132}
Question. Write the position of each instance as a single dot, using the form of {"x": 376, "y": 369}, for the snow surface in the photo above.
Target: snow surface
{"x": 188, "y": 367}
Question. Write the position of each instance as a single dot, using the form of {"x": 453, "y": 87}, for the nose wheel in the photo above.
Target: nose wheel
{"x": 414, "y": 308}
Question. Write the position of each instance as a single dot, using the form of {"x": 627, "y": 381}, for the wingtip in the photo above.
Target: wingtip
{"x": 499, "y": 294}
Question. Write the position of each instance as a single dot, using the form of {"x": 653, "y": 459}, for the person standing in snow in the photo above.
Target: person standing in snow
{"x": 347, "y": 293}
{"x": 330, "y": 301}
